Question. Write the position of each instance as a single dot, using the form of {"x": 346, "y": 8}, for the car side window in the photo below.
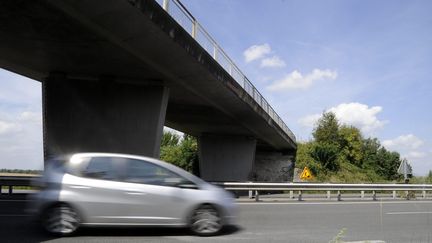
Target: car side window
{"x": 101, "y": 168}
{"x": 138, "y": 171}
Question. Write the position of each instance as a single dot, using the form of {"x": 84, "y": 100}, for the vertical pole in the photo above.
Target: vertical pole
{"x": 291, "y": 195}
{"x": 214, "y": 52}
{"x": 165, "y": 5}
{"x": 256, "y": 196}
{"x": 394, "y": 195}
{"x": 362, "y": 195}
{"x": 424, "y": 194}
{"x": 300, "y": 195}
{"x": 374, "y": 196}
{"x": 0, "y": 189}
{"x": 328, "y": 194}
{"x": 194, "y": 29}
{"x": 10, "y": 190}
{"x": 339, "y": 196}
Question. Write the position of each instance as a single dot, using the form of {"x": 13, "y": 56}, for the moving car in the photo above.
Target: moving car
{"x": 101, "y": 189}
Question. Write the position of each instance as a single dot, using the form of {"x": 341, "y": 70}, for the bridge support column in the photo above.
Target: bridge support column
{"x": 102, "y": 116}
{"x": 226, "y": 158}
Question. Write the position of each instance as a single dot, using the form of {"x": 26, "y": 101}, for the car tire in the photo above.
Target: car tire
{"x": 60, "y": 220}
{"x": 206, "y": 221}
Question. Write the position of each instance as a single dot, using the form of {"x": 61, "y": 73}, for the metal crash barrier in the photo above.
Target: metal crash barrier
{"x": 11, "y": 181}
{"x": 326, "y": 187}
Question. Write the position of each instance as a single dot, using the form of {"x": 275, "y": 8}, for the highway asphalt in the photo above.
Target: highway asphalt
{"x": 318, "y": 221}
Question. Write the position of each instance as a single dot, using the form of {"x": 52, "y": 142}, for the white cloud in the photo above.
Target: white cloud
{"x": 403, "y": 142}
{"x": 415, "y": 155}
{"x": 256, "y": 52}
{"x": 359, "y": 115}
{"x": 296, "y": 80}
{"x": 272, "y": 62}
{"x": 8, "y": 127}
{"x": 33, "y": 117}
{"x": 354, "y": 114}
{"x": 410, "y": 147}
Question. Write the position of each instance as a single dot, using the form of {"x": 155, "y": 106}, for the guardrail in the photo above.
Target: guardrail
{"x": 183, "y": 17}
{"x": 11, "y": 181}
{"x": 328, "y": 187}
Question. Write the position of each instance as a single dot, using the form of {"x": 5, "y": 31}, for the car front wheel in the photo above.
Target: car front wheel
{"x": 206, "y": 221}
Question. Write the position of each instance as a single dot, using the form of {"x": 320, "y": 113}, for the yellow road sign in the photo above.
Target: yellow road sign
{"x": 306, "y": 174}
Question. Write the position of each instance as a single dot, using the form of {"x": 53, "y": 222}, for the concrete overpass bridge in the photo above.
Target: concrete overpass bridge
{"x": 115, "y": 72}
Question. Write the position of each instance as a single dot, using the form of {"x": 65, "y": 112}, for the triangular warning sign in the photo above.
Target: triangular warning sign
{"x": 306, "y": 174}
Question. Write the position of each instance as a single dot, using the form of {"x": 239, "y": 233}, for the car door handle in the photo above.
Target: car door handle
{"x": 134, "y": 193}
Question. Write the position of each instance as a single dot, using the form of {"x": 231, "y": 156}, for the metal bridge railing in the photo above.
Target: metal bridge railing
{"x": 178, "y": 11}
{"x": 327, "y": 187}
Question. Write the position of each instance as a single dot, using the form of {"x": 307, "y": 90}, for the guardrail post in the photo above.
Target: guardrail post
{"x": 374, "y": 196}
{"x": 165, "y": 5}
{"x": 407, "y": 195}
{"x": 424, "y": 194}
{"x": 339, "y": 196}
{"x": 300, "y": 195}
{"x": 214, "y": 52}
{"x": 256, "y": 196}
{"x": 394, "y": 195}
{"x": 194, "y": 29}
{"x": 328, "y": 194}
{"x": 362, "y": 195}
{"x": 0, "y": 189}
{"x": 291, "y": 195}
{"x": 10, "y": 190}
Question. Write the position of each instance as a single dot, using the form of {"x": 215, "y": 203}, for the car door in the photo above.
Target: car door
{"x": 152, "y": 194}
{"x": 98, "y": 191}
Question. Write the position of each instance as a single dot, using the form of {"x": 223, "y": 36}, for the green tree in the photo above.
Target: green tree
{"x": 351, "y": 144}
{"x": 327, "y": 155}
{"x": 169, "y": 139}
{"x": 304, "y": 158}
{"x": 370, "y": 147}
{"x": 327, "y": 129}
{"x": 180, "y": 152}
{"x": 387, "y": 163}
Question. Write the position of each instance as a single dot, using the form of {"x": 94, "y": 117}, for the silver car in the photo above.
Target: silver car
{"x": 125, "y": 190}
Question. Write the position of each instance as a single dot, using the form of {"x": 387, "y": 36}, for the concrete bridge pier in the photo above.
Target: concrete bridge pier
{"x": 226, "y": 158}
{"x": 102, "y": 115}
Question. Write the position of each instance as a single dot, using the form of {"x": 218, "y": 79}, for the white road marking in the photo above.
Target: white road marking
{"x": 405, "y": 213}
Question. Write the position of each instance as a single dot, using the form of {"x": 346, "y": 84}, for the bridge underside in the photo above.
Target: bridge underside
{"x": 114, "y": 73}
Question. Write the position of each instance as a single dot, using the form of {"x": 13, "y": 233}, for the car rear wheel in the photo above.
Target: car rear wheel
{"x": 206, "y": 221}
{"x": 60, "y": 220}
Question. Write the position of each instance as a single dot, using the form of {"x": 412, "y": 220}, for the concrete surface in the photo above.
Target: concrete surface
{"x": 226, "y": 158}
{"x": 102, "y": 116}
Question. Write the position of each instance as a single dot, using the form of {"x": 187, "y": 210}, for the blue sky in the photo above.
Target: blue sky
{"x": 368, "y": 61}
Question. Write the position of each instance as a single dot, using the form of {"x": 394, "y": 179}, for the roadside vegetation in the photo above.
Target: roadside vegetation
{"x": 341, "y": 153}
{"x": 181, "y": 151}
